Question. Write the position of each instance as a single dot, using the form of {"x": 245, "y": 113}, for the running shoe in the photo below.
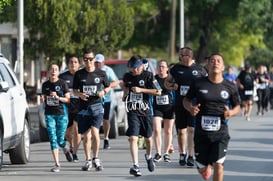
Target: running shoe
{"x": 166, "y": 158}
{"x": 106, "y": 144}
{"x": 56, "y": 168}
{"x": 135, "y": 171}
{"x": 97, "y": 164}
{"x": 87, "y": 165}
{"x": 190, "y": 161}
{"x": 68, "y": 156}
{"x": 75, "y": 158}
{"x": 150, "y": 163}
{"x": 157, "y": 157}
{"x": 207, "y": 173}
{"x": 182, "y": 159}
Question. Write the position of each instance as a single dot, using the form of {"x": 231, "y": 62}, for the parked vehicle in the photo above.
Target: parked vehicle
{"x": 14, "y": 117}
{"x": 118, "y": 115}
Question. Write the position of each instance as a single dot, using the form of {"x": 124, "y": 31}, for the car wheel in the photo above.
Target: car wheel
{"x": 113, "y": 133}
{"x": 20, "y": 154}
{"x": 43, "y": 133}
{"x": 1, "y": 147}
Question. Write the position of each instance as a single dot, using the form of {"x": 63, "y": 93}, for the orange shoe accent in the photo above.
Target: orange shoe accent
{"x": 171, "y": 149}
{"x": 207, "y": 173}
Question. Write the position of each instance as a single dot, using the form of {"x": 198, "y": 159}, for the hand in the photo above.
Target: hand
{"x": 84, "y": 96}
{"x": 136, "y": 89}
{"x": 194, "y": 110}
{"x": 227, "y": 113}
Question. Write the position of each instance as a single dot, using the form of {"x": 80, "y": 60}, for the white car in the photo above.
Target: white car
{"x": 14, "y": 117}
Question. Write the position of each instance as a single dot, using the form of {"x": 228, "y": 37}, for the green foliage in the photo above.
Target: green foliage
{"x": 65, "y": 27}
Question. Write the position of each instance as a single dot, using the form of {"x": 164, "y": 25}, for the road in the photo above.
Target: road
{"x": 249, "y": 158}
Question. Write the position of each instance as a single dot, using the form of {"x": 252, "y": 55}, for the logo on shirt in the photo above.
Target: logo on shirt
{"x": 224, "y": 94}
{"x": 97, "y": 80}
{"x": 180, "y": 72}
{"x": 141, "y": 82}
{"x": 57, "y": 88}
{"x": 203, "y": 91}
{"x": 194, "y": 72}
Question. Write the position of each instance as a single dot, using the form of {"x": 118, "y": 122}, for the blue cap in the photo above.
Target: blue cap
{"x": 134, "y": 63}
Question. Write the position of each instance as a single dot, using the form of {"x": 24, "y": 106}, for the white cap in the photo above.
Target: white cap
{"x": 99, "y": 58}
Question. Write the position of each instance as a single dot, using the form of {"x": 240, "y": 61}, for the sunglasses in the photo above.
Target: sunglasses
{"x": 88, "y": 59}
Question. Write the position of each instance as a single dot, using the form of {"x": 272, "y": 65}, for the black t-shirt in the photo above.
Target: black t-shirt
{"x": 166, "y": 97}
{"x": 73, "y": 106}
{"x": 183, "y": 76}
{"x": 91, "y": 83}
{"x": 52, "y": 105}
{"x": 213, "y": 98}
{"x": 246, "y": 79}
{"x": 139, "y": 103}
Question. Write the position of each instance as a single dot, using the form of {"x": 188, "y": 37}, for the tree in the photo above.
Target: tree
{"x": 60, "y": 27}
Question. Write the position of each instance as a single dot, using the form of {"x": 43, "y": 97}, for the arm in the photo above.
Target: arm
{"x": 231, "y": 112}
{"x": 169, "y": 84}
{"x": 187, "y": 103}
{"x": 146, "y": 91}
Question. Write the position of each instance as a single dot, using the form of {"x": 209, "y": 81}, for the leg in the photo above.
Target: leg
{"x": 87, "y": 144}
{"x": 77, "y": 138}
{"x": 157, "y": 133}
{"x": 134, "y": 149}
{"x": 95, "y": 141}
{"x": 168, "y": 134}
{"x": 218, "y": 173}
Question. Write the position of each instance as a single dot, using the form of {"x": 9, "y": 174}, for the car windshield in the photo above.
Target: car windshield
{"x": 119, "y": 69}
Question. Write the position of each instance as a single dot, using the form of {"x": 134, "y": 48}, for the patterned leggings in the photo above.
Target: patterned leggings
{"x": 56, "y": 128}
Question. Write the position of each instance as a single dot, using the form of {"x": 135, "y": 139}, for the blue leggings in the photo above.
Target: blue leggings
{"x": 56, "y": 128}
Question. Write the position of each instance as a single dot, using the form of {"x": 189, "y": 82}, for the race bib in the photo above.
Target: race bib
{"x": 90, "y": 90}
{"x": 184, "y": 89}
{"x": 52, "y": 101}
{"x": 136, "y": 97}
{"x": 162, "y": 100}
{"x": 211, "y": 123}
{"x": 72, "y": 95}
{"x": 248, "y": 92}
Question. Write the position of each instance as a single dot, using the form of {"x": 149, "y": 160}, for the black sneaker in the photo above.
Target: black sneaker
{"x": 87, "y": 165}
{"x": 135, "y": 171}
{"x": 106, "y": 144}
{"x": 157, "y": 157}
{"x": 96, "y": 163}
{"x": 166, "y": 158}
{"x": 190, "y": 161}
{"x": 182, "y": 159}
{"x": 68, "y": 156}
{"x": 75, "y": 158}
{"x": 150, "y": 163}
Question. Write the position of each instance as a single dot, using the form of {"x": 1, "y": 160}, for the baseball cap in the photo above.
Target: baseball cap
{"x": 135, "y": 63}
{"x": 99, "y": 58}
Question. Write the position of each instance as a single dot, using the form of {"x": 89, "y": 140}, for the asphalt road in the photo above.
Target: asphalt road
{"x": 249, "y": 158}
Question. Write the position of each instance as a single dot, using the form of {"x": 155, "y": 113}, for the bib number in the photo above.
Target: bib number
{"x": 162, "y": 100}
{"x": 248, "y": 92}
{"x": 211, "y": 123}
{"x": 52, "y": 101}
{"x": 184, "y": 89}
{"x": 136, "y": 97}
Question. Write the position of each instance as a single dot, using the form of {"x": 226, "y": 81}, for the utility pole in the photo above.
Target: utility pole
{"x": 172, "y": 32}
{"x": 20, "y": 39}
{"x": 182, "y": 35}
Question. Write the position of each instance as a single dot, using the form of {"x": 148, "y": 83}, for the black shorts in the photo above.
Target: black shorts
{"x": 183, "y": 118}
{"x": 71, "y": 117}
{"x": 139, "y": 125}
{"x": 210, "y": 148}
{"x": 90, "y": 117}
{"x": 106, "y": 107}
{"x": 165, "y": 112}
